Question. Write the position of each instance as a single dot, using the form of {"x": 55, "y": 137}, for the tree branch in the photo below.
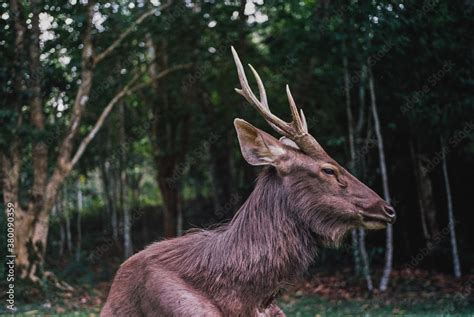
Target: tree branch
{"x": 127, "y": 31}
{"x": 63, "y": 165}
{"x": 83, "y": 92}
{"x": 100, "y": 121}
{"x": 160, "y": 75}
{"x": 129, "y": 88}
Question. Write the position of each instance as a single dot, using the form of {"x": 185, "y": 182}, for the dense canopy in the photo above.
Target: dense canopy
{"x": 116, "y": 123}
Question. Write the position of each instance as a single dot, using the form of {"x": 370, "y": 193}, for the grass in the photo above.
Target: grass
{"x": 312, "y": 306}
{"x": 411, "y": 293}
{"x": 306, "y": 306}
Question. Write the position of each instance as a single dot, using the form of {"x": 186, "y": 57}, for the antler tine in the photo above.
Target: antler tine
{"x": 303, "y": 120}
{"x": 296, "y": 130}
{"x": 242, "y": 78}
{"x": 263, "y": 97}
{"x": 261, "y": 88}
{"x": 245, "y": 91}
{"x": 276, "y": 123}
{"x": 297, "y": 123}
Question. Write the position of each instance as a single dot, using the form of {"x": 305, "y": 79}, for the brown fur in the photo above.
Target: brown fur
{"x": 234, "y": 270}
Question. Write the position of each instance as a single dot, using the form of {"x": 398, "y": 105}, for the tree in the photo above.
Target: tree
{"x": 123, "y": 184}
{"x": 32, "y": 221}
{"x": 451, "y": 221}
{"x": 170, "y": 135}
{"x": 383, "y": 171}
{"x": 426, "y": 203}
{"x": 80, "y": 204}
{"x": 358, "y": 235}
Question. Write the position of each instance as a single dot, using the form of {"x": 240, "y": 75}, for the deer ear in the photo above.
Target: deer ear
{"x": 258, "y": 147}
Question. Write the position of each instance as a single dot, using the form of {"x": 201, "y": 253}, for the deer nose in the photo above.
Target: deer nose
{"x": 390, "y": 212}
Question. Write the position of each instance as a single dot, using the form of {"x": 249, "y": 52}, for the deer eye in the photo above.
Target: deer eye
{"x": 329, "y": 171}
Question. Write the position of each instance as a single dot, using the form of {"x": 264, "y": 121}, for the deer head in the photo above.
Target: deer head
{"x": 324, "y": 194}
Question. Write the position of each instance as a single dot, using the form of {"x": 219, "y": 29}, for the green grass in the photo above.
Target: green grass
{"x": 43, "y": 313}
{"x": 306, "y": 306}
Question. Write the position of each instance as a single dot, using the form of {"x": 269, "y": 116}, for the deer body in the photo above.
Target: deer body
{"x": 241, "y": 264}
{"x": 302, "y": 200}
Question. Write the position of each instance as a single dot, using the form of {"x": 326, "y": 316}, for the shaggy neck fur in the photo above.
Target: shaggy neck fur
{"x": 264, "y": 246}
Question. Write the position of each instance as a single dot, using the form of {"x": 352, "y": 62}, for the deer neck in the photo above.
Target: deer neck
{"x": 266, "y": 237}
{"x": 262, "y": 248}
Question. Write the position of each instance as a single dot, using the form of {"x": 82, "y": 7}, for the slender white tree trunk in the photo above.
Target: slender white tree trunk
{"x": 127, "y": 235}
{"x": 127, "y": 225}
{"x": 116, "y": 215}
{"x": 365, "y": 260}
{"x": 110, "y": 182}
{"x": 62, "y": 231}
{"x": 358, "y": 131}
{"x": 355, "y": 251}
{"x": 350, "y": 124}
{"x": 383, "y": 170}
{"x": 65, "y": 209}
{"x": 78, "y": 220}
{"x": 358, "y": 236}
{"x": 68, "y": 231}
{"x": 451, "y": 221}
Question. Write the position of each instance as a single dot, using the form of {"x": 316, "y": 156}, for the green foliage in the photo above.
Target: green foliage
{"x": 422, "y": 63}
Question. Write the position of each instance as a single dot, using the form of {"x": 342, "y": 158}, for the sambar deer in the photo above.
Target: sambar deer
{"x": 302, "y": 200}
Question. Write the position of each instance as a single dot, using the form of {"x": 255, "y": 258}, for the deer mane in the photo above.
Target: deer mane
{"x": 261, "y": 247}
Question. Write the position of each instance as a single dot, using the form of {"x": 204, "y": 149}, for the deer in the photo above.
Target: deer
{"x": 303, "y": 200}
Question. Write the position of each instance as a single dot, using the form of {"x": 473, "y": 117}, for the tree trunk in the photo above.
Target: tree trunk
{"x": 425, "y": 195}
{"x": 358, "y": 236}
{"x": 179, "y": 219}
{"x": 62, "y": 230}
{"x": 78, "y": 220}
{"x": 110, "y": 202}
{"x": 170, "y": 194}
{"x": 170, "y": 199}
{"x": 350, "y": 124}
{"x": 170, "y": 136}
{"x": 23, "y": 230}
{"x": 365, "y": 260}
{"x": 67, "y": 217}
{"x": 116, "y": 194}
{"x": 37, "y": 221}
{"x": 359, "y": 166}
{"x": 356, "y": 251}
{"x": 421, "y": 205}
{"x": 451, "y": 223}
{"x": 221, "y": 174}
{"x": 10, "y": 159}
{"x": 383, "y": 170}
{"x": 124, "y": 204}
{"x": 127, "y": 234}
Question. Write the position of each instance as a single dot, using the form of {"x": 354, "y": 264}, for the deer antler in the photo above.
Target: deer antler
{"x": 296, "y": 130}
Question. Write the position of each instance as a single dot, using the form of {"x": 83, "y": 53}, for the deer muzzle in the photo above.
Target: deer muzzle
{"x": 378, "y": 220}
